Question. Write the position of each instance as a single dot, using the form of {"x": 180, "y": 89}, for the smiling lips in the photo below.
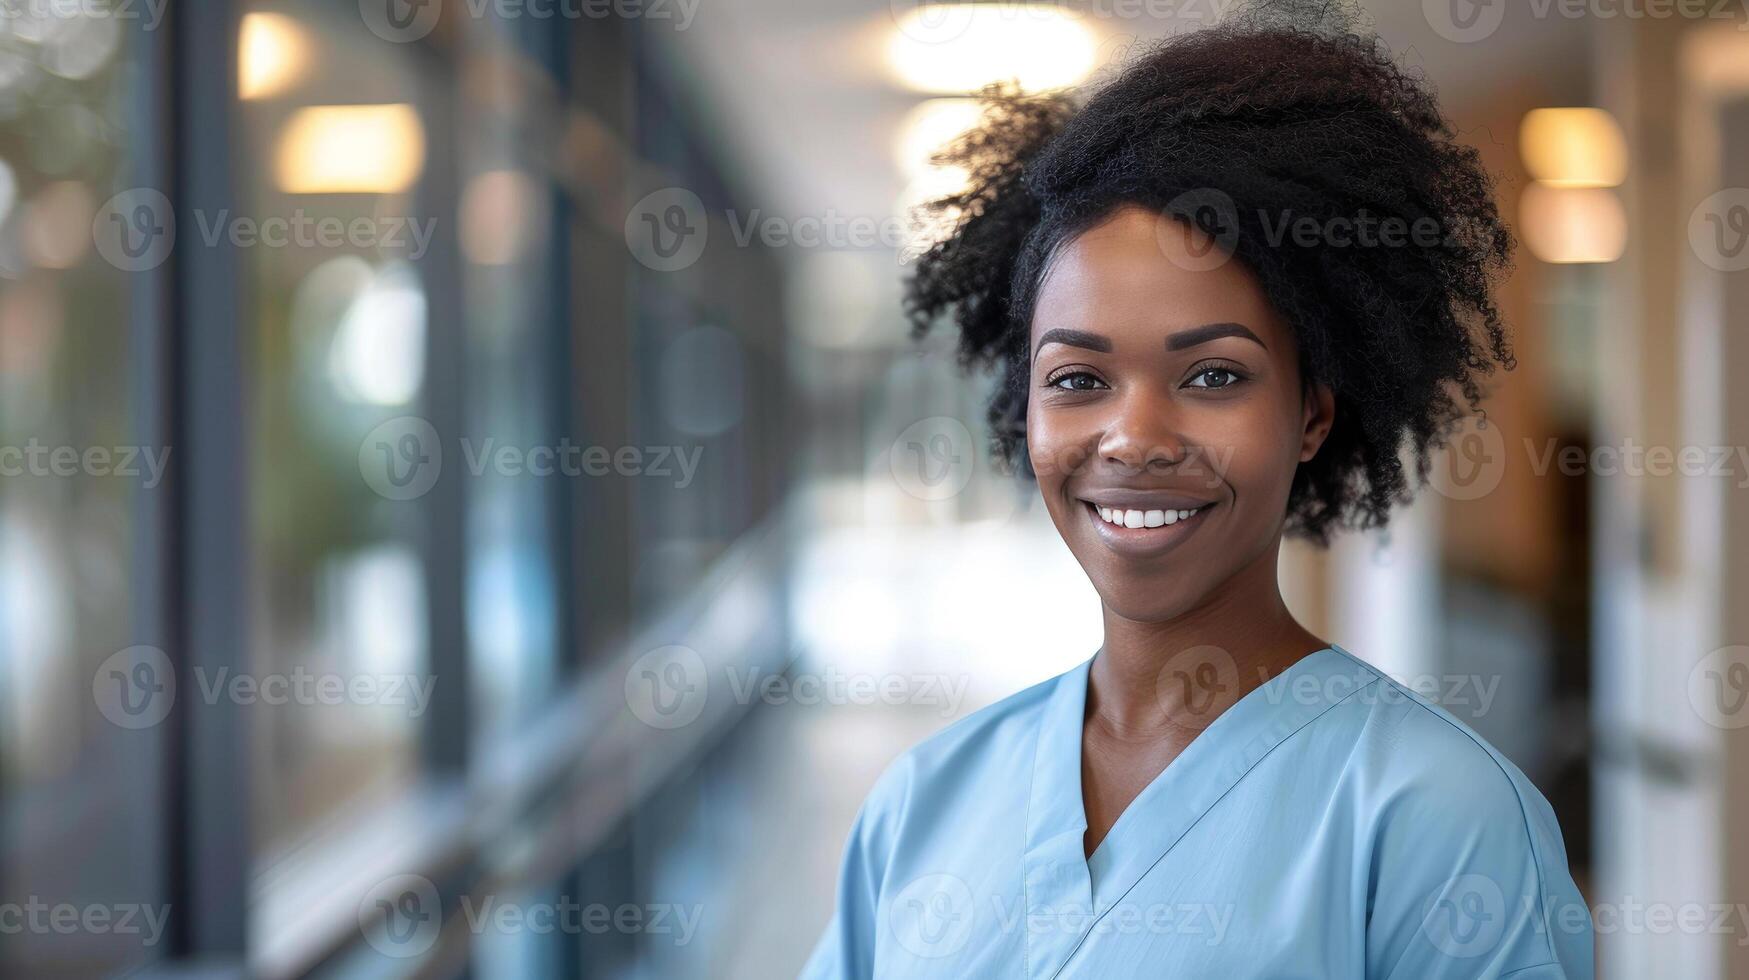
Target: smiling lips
{"x": 1143, "y": 518}
{"x": 1145, "y": 525}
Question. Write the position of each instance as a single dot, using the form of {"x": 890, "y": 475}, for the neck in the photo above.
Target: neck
{"x": 1252, "y": 634}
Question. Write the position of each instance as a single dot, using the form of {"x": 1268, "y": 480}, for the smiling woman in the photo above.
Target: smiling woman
{"x": 1189, "y": 384}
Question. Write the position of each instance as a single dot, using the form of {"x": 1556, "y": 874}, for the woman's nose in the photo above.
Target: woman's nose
{"x": 1143, "y": 433}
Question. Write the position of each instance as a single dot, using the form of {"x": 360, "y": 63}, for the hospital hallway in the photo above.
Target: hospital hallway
{"x": 472, "y": 504}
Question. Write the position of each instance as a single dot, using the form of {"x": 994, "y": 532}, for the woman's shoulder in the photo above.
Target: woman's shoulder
{"x": 1454, "y": 825}
{"x": 1422, "y": 757}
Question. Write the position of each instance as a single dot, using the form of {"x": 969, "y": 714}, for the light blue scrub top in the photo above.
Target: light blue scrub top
{"x": 1331, "y": 823}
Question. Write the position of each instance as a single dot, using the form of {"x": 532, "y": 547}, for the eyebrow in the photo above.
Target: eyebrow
{"x": 1211, "y": 331}
{"x": 1074, "y": 338}
{"x": 1179, "y": 341}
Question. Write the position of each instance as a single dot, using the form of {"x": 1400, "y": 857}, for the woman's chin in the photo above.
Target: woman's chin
{"x": 1138, "y": 603}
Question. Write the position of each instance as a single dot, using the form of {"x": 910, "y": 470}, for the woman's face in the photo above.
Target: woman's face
{"x": 1165, "y": 417}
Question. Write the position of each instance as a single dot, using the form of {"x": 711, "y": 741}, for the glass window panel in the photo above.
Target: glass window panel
{"x": 341, "y": 454}
{"x": 517, "y": 466}
{"x": 78, "y": 737}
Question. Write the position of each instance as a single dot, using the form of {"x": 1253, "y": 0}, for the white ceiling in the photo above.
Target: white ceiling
{"x": 806, "y": 113}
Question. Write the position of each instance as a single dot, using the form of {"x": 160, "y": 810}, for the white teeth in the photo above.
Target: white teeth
{"x": 1143, "y": 518}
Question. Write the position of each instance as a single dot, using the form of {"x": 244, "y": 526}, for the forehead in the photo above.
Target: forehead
{"x": 1138, "y": 275}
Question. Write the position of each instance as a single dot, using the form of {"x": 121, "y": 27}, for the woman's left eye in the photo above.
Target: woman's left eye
{"x": 1076, "y": 381}
{"x": 1212, "y": 378}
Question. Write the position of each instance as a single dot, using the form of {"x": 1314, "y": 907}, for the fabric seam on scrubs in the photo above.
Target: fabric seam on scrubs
{"x": 1536, "y": 858}
{"x": 1248, "y": 770}
{"x": 1535, "y": 966}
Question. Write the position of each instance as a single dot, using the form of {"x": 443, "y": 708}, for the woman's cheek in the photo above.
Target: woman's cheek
{"x": 1051, "y": 446}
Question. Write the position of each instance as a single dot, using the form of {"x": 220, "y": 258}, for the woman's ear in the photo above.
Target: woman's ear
{"x": 1320, "y": 413}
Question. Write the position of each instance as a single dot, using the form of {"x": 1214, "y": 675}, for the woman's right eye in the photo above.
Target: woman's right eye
{"x": 1076, "y": 381}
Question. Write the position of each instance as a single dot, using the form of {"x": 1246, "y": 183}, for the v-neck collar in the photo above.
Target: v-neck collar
{"x": 1057, "y": 872}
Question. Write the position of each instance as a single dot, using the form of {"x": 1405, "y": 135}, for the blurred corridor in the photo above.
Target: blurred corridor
{"x": 470, "y": 504}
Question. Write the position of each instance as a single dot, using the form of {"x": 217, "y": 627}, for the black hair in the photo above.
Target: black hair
{"x": 1285, "y": 112}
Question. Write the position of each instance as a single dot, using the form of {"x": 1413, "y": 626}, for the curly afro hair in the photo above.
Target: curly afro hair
{"x": 1285, "y": 112}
